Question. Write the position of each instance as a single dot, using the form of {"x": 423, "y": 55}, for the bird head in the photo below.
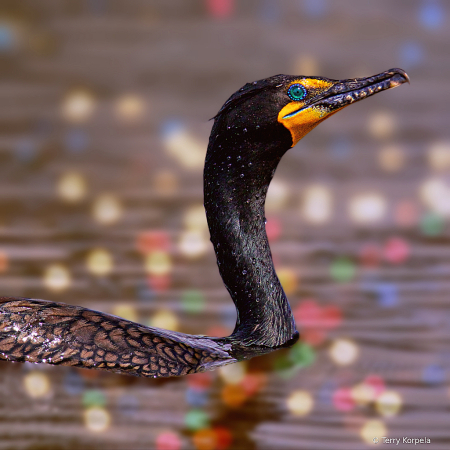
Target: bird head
{"x": 297, "y": 103}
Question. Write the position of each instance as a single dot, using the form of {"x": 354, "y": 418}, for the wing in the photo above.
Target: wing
{"x": 41, "y": 331}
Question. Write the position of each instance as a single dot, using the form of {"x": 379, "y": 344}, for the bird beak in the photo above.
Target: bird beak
{"x": 346, "y": 92}
{"x": 301, "y": 117}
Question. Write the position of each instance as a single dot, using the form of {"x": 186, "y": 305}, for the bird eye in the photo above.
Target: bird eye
{"x": 296, "y": 92}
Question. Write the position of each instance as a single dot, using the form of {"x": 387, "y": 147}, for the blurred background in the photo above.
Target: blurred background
{"x": 104, "y": 119}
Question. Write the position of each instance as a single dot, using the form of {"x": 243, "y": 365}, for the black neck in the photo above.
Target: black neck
{"x": 237, "y": 175}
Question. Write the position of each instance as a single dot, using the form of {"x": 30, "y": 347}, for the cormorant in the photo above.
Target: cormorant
{"x": 251, "y": 132}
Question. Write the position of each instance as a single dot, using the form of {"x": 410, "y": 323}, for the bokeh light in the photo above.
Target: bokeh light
{"x": 288, "y": 279}
{"x": 391, "y": 158}
{"x": 165, "y": 182}
{"x": 300, "y": 403}
{"x": 129, "y": 107}
{"x": 196, "y": 419}
{"x": 93, "y": 397}
{"x": 4, "y": 261}
{"x": 57, "y": 278}
{"x": 343, "y": 352}
{"x": 342, "y": 269}
{"x": 233, "y": 373}
{"x": 396, "y": 250}
{"x": 193, "y": 243}
{"x": 168, "y": 440}
{"x": 158, "y": 263}
{"x": 277, "y": 196}
{"x": 78, "y": 105}
{"x": 373, "y": 429}
{"x": 182, "y": 146}
{"x": 107, "y": 209}
{"x": 406, "y": 213}
{"x": 433, "y": 374}
{"x": 164, "y": 318}
{"x": 37, "y": 384}
{"x": 195, "y": 218}
{"x": 126, "y": 311}
{"x": 363, "y": 394}
{"x": 439, "y": 156}
{"x": 388, "y": 403}
{"x": 99, "y": 262}
{"x": 367, "y": 207}
{"x": 317, "y": 204}
{"x": 382, "y": 124}
{"x": 97, "y": 419}
{"x": 432, "y": 224}
{"x": 233, "y": 395}
{"x": 149, "y": 241}
{"x": 370, "y": 255}
{"x": 204, "y": 439}
{"x": 431, "y": 14}
{"x": 72, "y": 187}
{"x": 435, "y": 193}
{"x": 193, "y": 301}
{"x": 343, "y": 399}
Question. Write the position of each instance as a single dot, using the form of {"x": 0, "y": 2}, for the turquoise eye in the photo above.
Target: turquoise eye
{"x": 296, "y": 92}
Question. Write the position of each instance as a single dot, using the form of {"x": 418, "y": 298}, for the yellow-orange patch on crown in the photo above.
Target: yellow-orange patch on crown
{"x": 313, "y": 83}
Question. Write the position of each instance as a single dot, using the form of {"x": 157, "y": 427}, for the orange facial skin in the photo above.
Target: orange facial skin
{"x": 303, "y": 121}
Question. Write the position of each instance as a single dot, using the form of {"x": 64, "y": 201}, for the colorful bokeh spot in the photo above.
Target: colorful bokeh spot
{"x": 126, "y": 311}
{"x": 158, "y": 263}
{"x": 200, "y": 381}
{"x": 302, "y": 354}
{"x": 434, "y": 374}
{"x": 233, "y": 395}
{"x": 342, "y": 269}
{"x": 288, "y": 279}
{"x": 93, "y": 397}
{"x": 153, "y": 240}
{"x": 164, "y": 319}
{"x": 370, "y": 255}
{"x": 273, "y": 228}
{"x": 192, "y": 301}
{"x": 316, "y": 320}
{"x": 396, "y": 250}
{"x": 196, "y": 419}
{"x": 220, "y": 9}
{"x": 432, "y": 224}
{"x": 168, "y": 440}
{"x": 196, "y": 397}
{"x": 204, "y": 439}
{"x": 406, "y": 213}
{"x": 343, "y": 400}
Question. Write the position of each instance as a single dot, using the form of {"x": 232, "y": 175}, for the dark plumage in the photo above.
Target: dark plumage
{"x": 251, "y": 132}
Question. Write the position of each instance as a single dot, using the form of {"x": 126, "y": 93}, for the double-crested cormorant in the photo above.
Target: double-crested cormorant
{"x": 251, "y": 132}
